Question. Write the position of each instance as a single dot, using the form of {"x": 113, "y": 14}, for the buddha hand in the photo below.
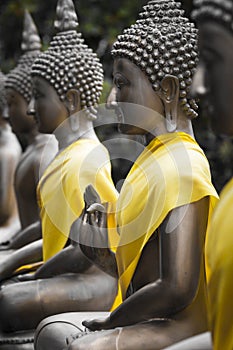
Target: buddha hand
{"x": 89, "y": 230}
{"x": 97, "y": 324}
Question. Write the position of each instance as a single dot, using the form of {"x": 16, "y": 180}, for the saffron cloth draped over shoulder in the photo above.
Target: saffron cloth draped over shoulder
{"x": 219, "y": 258}
{"x": 61, "y": 189}
{"x": 172, "y": 171}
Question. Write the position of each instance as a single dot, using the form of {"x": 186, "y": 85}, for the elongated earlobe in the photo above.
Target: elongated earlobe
{"x": 170, "y": 96}
{"x": 171, "y": 119}
{"x": 73, "y": 105}
{"x": 74, "y": 122}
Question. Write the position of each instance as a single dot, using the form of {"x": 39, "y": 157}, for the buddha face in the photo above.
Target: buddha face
{"x": 19, "y": 120}
{"x": 132, "y": 91}
{"x": 49, "y": 111}
{"x": 213, "y": 81}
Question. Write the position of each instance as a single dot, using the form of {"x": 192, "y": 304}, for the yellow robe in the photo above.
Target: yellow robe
{"x": 172, "y": 171}
{"x": 219, "y": 253}
{"x": 61, "y": 188}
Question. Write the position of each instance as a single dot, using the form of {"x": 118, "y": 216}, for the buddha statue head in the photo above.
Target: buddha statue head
{"x": 162, "y": 44}
{"x": 18, "y": 83}
{"x": 213, "y": 81}
{"x": 70, "y": 67}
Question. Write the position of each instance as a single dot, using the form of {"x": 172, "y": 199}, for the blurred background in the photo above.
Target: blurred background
{"x": 100, "y": 22}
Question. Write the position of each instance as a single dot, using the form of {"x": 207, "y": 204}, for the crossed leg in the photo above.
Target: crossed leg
{"x": 65, "y": 331}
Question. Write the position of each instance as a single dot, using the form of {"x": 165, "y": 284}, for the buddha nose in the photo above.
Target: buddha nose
{"x": 31, "y": 107}
{"x": 199, "y": 88}
{"x": 111, "y": 99}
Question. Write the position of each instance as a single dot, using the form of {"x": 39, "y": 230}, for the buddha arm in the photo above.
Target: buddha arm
{"x": 69, "y": 260}
{"x": 180, "y": 260}
{"x": 31, "y": 253}
{"x": 103, "y": 258}
{"x": 28, "y": 235}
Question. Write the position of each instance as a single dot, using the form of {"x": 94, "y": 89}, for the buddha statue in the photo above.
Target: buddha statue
{"x": 67, "y": 83}
{"x": 212, "y": 84}
{"x": 10, "y": 152}
{"x": 164, "y": 205}
{"x": 34, "y": 160}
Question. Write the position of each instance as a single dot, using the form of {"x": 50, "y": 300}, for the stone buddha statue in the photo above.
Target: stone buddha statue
{"x": 212, "y": 84}
{"x": 34, "y": 160}
{"x": 10, "y": 152}
{"x": 67, "y": 83}
{"x": 164, "y": 205}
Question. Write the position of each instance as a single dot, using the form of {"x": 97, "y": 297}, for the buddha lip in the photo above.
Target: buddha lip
{"x": 36, "y": 119}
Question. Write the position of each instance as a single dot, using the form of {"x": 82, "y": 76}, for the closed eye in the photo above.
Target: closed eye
{"x": 120, "y": 81}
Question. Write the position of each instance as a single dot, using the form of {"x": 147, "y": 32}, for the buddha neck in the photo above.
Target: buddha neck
{"x": 184, "y": 124}
{"x": 31, "y": 136}
{"x": 66, "y": 136}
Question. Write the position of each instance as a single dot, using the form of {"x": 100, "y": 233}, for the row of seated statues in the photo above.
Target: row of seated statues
{"x": 83, "y": 265}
